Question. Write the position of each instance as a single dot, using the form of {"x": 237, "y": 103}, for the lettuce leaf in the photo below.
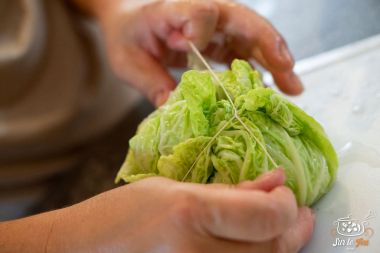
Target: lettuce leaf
{"x": 200, "y": 136}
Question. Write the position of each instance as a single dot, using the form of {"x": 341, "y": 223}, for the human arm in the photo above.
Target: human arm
{"x": 161, "y": 215}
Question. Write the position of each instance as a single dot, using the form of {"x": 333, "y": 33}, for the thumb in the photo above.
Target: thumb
{"x": 266, "y": 182}
{"x": 144, "y": 72}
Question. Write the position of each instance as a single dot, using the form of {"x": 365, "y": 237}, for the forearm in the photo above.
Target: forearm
{"x": 59, "y": 231}
{"x": 29, "y": 234}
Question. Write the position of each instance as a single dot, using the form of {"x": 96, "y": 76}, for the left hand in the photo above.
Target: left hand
{"x": 143, "y": 38}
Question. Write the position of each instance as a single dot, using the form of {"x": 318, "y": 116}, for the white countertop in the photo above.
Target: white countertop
{"x": 343, "y": 93}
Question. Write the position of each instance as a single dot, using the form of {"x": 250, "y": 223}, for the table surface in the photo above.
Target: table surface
{"x": 342, "y": 92}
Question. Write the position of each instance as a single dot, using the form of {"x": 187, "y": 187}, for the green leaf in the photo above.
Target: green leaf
{"x": 190, "y": 161}
{"x": 199, "y": 136}
{"x": 237, "y": 156}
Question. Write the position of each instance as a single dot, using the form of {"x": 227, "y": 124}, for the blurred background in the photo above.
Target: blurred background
{"x": 313, "y": 27}
{"x": 309, "y": 27}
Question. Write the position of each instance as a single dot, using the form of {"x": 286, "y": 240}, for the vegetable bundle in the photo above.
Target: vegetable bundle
{"x": 212, "y": 133}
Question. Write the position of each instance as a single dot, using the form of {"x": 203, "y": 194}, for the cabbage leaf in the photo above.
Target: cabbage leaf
{"x": 199, "y": 136}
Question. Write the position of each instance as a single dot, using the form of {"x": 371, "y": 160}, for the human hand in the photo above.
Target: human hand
{"x": 161, "y": 215}
{"x": 143, "y": 38}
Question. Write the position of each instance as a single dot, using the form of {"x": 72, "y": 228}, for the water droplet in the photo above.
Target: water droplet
{"x": 357, "y": 109}
{"x": 354, "y": 151}
{"x": 335, "y": 92}
{"x": 346, "y": 148}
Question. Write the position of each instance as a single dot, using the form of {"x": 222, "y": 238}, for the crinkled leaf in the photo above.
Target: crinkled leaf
{"x": 190, "y": 161}
{"x": 197, "y": 137}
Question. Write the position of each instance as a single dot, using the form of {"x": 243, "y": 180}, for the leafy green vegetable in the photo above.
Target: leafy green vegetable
{"x": 200, "y": 136}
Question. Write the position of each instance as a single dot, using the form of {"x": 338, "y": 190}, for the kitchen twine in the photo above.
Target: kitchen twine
{"x": 195, "y": 50}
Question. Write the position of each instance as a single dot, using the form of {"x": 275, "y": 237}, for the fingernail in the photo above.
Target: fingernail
{"x": 285, "y": 54}
{"x": 267, "y": 175}
{"x": 309, "y": 213}
{"x": 279, "y": 171}
{"x": 296, "y": 84}
{"x": 312, "y": 212}
{"x": 271, "y": 173}
{"x": 161, "y": 98}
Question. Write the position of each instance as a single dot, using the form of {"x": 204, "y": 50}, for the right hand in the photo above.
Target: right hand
{"x": 144, "y": 38}
{"x": 161, "y": 215}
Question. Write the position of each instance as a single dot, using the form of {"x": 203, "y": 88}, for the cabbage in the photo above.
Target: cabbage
{"x": 212, "y": 133}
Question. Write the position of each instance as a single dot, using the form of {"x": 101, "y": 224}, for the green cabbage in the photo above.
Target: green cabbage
{"x": 200, "y": 136}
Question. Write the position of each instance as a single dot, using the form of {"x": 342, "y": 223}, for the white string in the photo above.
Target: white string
{"x": 206, "y": 148}
{"x": 203, "y": 60}
{"x": 215, "y": 76}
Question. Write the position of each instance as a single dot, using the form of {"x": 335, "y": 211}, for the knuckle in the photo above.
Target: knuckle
{"x": 288, "y": 205}
{"x": 273, "y": 218}
{"x": 287, "y": 199}
{"x": 287, "y": 193}
{"x": 279, "y": 246}
{"x": 279, "y": 39}
{"x": 205, "y": 10}
{"x": 186, "y": 208}
{"x": 193, "y": 246}
{"x": 208, "y": 7}
{"x": 281, "y": 211}
{"x": 191, "y": 249}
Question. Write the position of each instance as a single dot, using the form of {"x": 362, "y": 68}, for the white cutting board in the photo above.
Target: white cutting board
{"x": 343, "y": 93}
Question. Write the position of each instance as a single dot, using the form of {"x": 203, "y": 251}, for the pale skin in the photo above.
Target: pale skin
{"x": 143, "y": 38}
{"x": 148, "y": 36}
{"x": 161, "y": 215}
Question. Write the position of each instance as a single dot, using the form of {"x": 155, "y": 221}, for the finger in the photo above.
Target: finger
{"x": 299, "y": 234}
{"x": 239, "y": 22}
{"x": 220, "y": 53}
{"x": 290, "y": 242}
{"x": 247, "y": 215}
{"x": 258, "y": 56}
{"x": 195, "y": 21}
{"x": 266, "y": 182}
{"x": 281, "y": 78}
{"x": 252, "y": 35}
{"x": 227, "y": 246}
{"x": 288, "y": 82}
{"x": 174, "y": 59}
{"x": 142, "y": 71}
